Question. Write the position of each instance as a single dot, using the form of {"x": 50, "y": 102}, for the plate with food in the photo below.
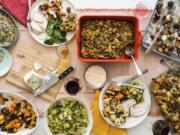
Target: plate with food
{"x": 166, "y": 14}
{"x": 166, "y": 91}
{"x": 124, "y": 106}
{"x": 9, "y": 32}
{"x": 17, "y": 115}
{"x": 52, "y": 22}
{"x": 5, "y": 61}
{"x": 68, "y": 115}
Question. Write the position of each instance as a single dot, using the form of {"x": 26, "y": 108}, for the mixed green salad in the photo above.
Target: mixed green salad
{"x": 68, "y": 117}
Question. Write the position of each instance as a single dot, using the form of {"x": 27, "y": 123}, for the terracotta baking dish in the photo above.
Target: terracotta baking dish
{"x": 124, "y": 58}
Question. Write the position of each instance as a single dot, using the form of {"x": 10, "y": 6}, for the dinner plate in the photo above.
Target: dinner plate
{"x": 90, "y": 117}
{"x": 24, "y": 131}
{"x": 17, "y": 29}
{"x": 130, "y": 121}
{"x": 6, "y": 63}
{"x": 41, "y": 37}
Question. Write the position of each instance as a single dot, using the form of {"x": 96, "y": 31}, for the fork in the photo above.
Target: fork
{"x": 127, "y": 81}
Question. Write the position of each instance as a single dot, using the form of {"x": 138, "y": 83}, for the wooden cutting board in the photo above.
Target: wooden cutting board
{"x": 24, "y": 58}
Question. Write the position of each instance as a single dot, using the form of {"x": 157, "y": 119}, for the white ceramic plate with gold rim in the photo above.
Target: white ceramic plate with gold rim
{"x": 40, "y": 38}
{"x": 130, "y": 121}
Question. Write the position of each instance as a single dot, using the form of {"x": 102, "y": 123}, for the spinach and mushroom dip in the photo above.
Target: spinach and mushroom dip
{"x": 67, "y": 117}
{"x": 8, "y": 30}
{"x": 106, "y": 38}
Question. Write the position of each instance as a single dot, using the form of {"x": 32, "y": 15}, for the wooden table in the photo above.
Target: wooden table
{"x": 113, "y": 69}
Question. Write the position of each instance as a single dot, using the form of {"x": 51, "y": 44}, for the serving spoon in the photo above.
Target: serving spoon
{"x": 129, "y": 51}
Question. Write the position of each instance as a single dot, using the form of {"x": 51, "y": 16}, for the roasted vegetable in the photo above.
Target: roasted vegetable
{"x": 17, "y": 113}
{"x": 166, "y": 90}
{"x": 114, "y": 99}
{"x": 105, "y": 39}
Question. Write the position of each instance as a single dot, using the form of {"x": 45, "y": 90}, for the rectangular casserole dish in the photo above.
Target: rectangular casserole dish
{"x": 124, "y": 58}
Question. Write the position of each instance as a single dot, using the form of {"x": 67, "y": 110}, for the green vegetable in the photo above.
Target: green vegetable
{"x": 56, "y": 35}
{"x": 68, "y": 117}
{"x": 134, "y": 93}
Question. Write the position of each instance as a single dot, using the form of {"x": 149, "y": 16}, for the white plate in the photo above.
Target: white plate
{"x": 90, "y": 117}
{"x": 130, "y": 121}
{"x": 24, "y": 131}
{"x": 6, "y": 63}
{"x": 41, "y": 37}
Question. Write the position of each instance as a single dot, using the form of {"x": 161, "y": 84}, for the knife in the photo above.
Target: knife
{"x": 54, "y": 79}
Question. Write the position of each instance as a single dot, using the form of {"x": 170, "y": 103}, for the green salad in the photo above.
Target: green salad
{"x": 56, "y": 35}
{"x": 68, "y": 117}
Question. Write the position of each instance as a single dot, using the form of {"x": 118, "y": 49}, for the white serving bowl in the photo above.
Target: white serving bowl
{"x": 24, "y": 131}
{"x": 90, "y": 117}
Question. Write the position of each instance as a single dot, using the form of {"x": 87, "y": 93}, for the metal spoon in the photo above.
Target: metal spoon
{"x": 129, "y": 51}
{"x": 166, "y": 21}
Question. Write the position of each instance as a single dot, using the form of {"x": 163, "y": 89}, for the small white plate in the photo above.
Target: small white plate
{"x": 90, "y": 117}
{"x": 40, "y": 38}
{"x": 130, "y": 121}
{"x": 23, "y": 131}
{"x": 6, "y": 63}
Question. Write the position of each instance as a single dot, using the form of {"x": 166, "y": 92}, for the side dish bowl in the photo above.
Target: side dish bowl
{"x": 16, "y": 37}
{"x": 123, "y": 57}
{"x": 61, "y": 100}
{"x": 12, "y": 97}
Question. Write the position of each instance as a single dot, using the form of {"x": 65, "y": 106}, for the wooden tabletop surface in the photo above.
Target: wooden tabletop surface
{"x": 150, "y": 61}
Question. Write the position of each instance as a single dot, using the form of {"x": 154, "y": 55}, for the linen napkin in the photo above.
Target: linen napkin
{"x": 17, "y": 8}
{"x": 100, "y": 126}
